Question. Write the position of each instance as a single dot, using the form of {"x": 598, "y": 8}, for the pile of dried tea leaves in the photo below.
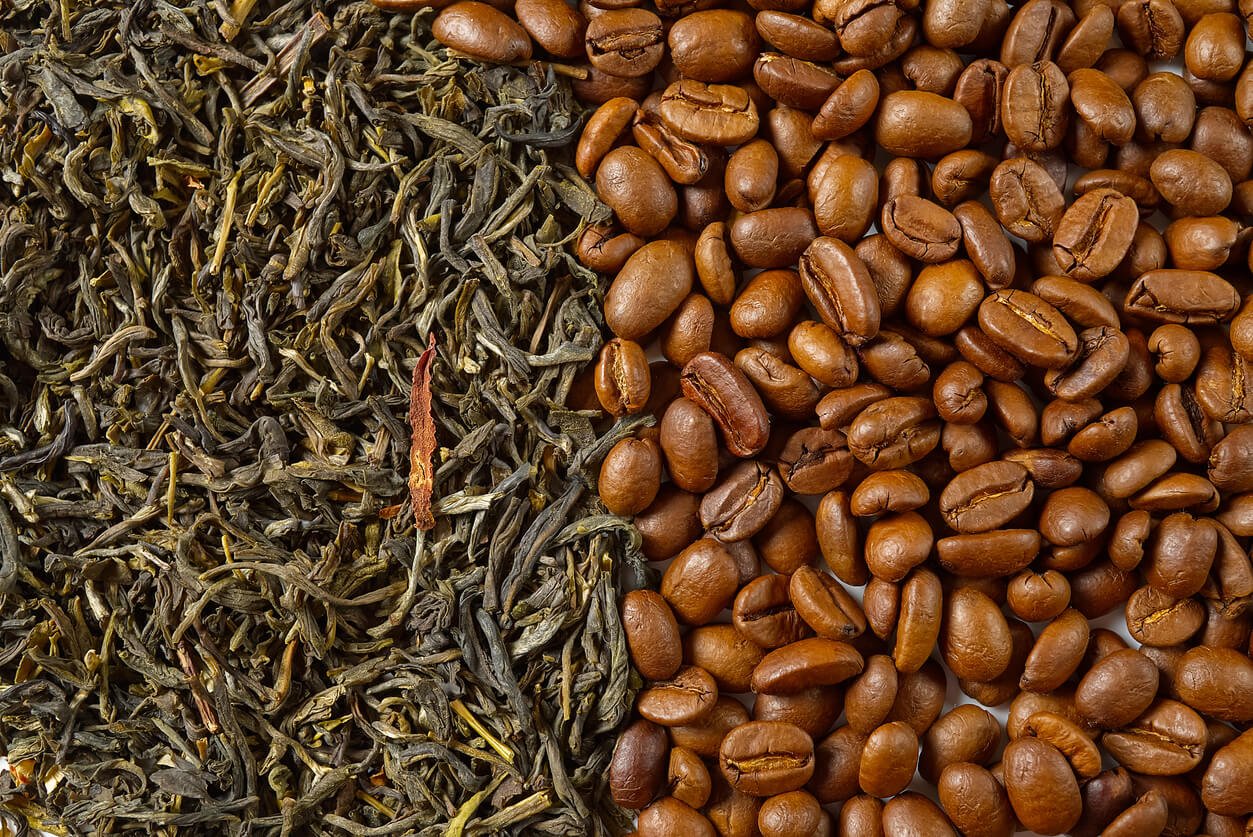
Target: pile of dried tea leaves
{"x": 227, "y": 232}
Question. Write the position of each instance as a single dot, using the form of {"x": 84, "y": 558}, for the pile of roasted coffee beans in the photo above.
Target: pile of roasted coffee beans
{"x": 1021, "y": 404}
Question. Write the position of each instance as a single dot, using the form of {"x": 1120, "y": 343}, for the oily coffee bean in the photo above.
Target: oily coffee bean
{"x": 671, "y": 816}
{"x": 1227, "y": 785}
{"x": 700, "y": 582}
{"x": 766, "y": 758}
{"x": 636, "y": 302}
{"x": 912, "y": 123}
{"x": 1027, "y": 201}
{"x": 715, "y": 385}
{"x": 1041, "y": 785}
{"x": 727, "y": 655}
{"x": 815, "y": 661}
{"x": 717, "y": 114}
{"x": 894, "y": 432}
{"x": 743, "y": 503}
{"x": 625, "y": 42}
{"x": 637, "y": 771}
{"x": 714, "y": 45}
{"x": 986, "y": 497}
{"x": 763, "y": 612}
{"x": 1215, "y": 681}
{"x": 920, "y": 229}
{"x": 975, "y": 801}
{"x": 840, "y": 288}
{"x": 1034, "y": 113}
{"x": 685, "y": 698}
{"x": 975, "y": 641}
{"x": 1095, "y": 233}
{"x": 814, "y": 709}
{"x": 636, "y": 188}
{"x": 652, "y": 634}
{"x": 483, "y": 32}
{"x": 967, "y": 734}
{"x": 1028, "y": 328}
{"x": 688, "y": 778}
{"x": 1069, "y": 738}
{"x": 825, "y": 605}
{"x": 888, "y": 759}
{"x": 1168, "y": 739}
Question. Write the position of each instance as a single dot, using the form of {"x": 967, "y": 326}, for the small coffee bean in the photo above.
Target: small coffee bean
{"x": 686, "y": 698}
{"x": 637, "y": 768}
{"x": 669, "y": 815}
{"x": 816, "y": 661}
{"x": 888, "y": 760}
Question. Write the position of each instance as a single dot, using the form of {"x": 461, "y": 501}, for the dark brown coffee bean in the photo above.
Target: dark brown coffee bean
{"x": 788, "y": 541}
{"x": 1220, "y": 386}
{"x": 979, "y": 91}
{"x": 636, "y": 188}
{"x": 825, "y": 605}
{"x": 836, "y": 761}
{"x": 1028, "y": 328}
{"x": 888, "y": 760}
{"x": 715, "y": 385}
{"x": 687, "y": 777}
{"x": 1041, "y": 786}
{"x": 816, "y": 661}
{"x": 1038, "y": 597}
{"x": 1181, "y": 555}
{"x": 1181, "y": 422}
{"x": 669, "y": 524}
{"x": 920, "y": 696}
{"x": 743, "y": 503}
{"x": 1035, "y": 32}
{"x": 638, "y": 767}
{"x": 717, "y": 114}
{"x": 773, "y": 237}
{"x": 1095, "y": 233}
{"x": 700, "y": 582}
{"x": 765, "y": 758}
{"x": 814, "y": 710}
{"x": 763, "y": 612}
{"x": 705, "y": 736}
{"x": 714, "y": 45}
{"x": 555, "y": 26}
{"x": 1106, "y": 438}
{"x": 913, "y": 123}
{"x": 622, "y": 378}
{"x": 603, "y": 129}
{"x": 786, "y": 390}
{"x": 652, "y": 634}
{"x": 630, "y": 476}
{"x": 793, "y": 81}
{"x": 625, "y": 42}
{"x": 1216, "y": 682}
{"x": 844, "y": 197}
{"x": 1156, "y": 619}
{"x": 650, "y": 287}
{"x": 1191, "y": 182}
{"x": 1027, "y": 201}
{"x": 1166, "y": 740}
{"x": 966, "y": 733}
{"x": 483, "y": 32}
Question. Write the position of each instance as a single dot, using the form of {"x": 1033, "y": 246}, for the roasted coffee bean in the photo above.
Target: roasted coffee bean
{"x": 700, "y": 582}
{"x": 1167, "y": 740}
{"x": 1038, "y": 597}
{"x": 1095, "y": 233}
{"x": 1152, "y": 27}
{"x": 652, "y": 634}
{"x": 840, "y": 289}
{"x": 687, "y": 777}
{"x": 844, "y": 197}
{"x": 793, "y": 814}
{"x": 896, "y": 544}
{"x": 1227, "y": 786}
{"x": 1180, "y": 557}
{"x": 637, "y": 189}
{"x": 690, "y": 446}
{"x": 894, "y": 432}
{"x": 1191, "y": 182}
{"x": 975, "y": 641}
{"x": 671, "y": 816}
{"x": 967, "y": 733}
{"x": 743, "y": 503}
{"x": 975, "y": 801}
{"x": 814, "y": 709}
{"x": 912, "y": 813}
{"x": 713, "y": 264}
{"x": 839, "y": 540}
{"x": 483, "y": 32}
{"x": 992, "y": 554}
{"x": 714, "y": 45}
{"x": 815, "y": 661}
{"x": 888, "y": 760}
{"x": 705, "y": 736}
{"x": 793, "y": 81}
{"x": 715, "y": 385}
{"x": 766, "y": 758}
{"x": 686, "y": 698}
{"x": 1216, "y": 682}
{"x": 986, "y": 497}
{"x": 637, "y": 771}
{"x": 1034, "y": 110}
{"x": 727, "y": 655}
{"x": 798, "y": 36}
{"x": 1027, "y": 201}
{"x": 912, "y": 123}
{"x": 603, "y": 129}
{"x": 773, "y": 237}
{"x": 920, "y": 229}
{"x": 1201, "y": 243}
{"x": 849, "y": 107}
{"x": 763, "y": 612}
{"x": 625, "y": 42}
{"x": 825, "y": 605}
{"x": 1057, "y": 653}
{"x": 649, "y": 288}
{"x": 718, "y": 114}
{"x": 918, "y": 627}
{"x": 785, "y": 389}
{"x": 1041, "y": 786}
{"x": 1069, "y": 738}
{"x": 1028, "y": 328}
{"x": 870, "y": 697}
{"x": 671, "y": 523}
{"x": 836, "y": 761}
{"x": 555, "y": 26}
{"x": 622, "y": 378}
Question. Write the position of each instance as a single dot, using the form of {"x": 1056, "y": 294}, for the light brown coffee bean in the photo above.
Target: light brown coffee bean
{"x": 483, "y": 32}
{"x": 765, "y": 758}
